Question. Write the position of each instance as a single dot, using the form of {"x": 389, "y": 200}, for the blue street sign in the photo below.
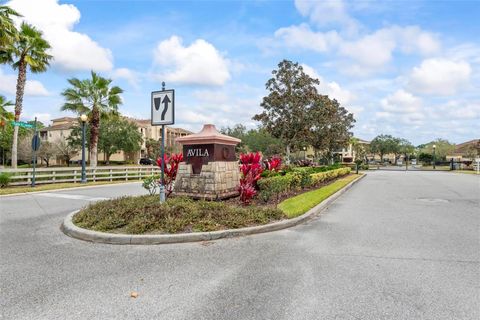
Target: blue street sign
{"x": 36, "y": 142}
{"x": 21, "y": 124}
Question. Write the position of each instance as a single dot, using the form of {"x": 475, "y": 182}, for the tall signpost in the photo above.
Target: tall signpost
{"x": 35, "y": 147}
{"x": 163, "y": 113}
{"x": 83, "y": 119}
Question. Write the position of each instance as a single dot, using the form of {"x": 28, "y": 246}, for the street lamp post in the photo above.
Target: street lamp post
{"x": 83, "y": 118}
{"x": 304, "y": 153}
{"x": 434, "y": 147}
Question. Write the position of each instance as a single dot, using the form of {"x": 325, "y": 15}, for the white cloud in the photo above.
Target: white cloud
{"x": 71, "y": 50}
{"x": 465, "y": 52}
{"x": 369, "y": 53}
{"x": 127, "y": 74}
{"x": 458, "y": 109}
{"x": 440, "y": 76}
{"x": 375, "y": 50}
{"x": 413, "y": 39}
{"x": 8, "y": 85}
{"x": 332, "y": 89}
{"x": 401, "y": 101}
{"x": 324, "y": 13}
{"x": 200, "y": 63}
{"x": 302, "y": 37}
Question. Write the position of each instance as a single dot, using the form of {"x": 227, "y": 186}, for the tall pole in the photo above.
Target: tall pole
{"x": 434, "y": 157}
{"x": 84, "y": 174}
{"x": 34, "y": 152}
{"x": 162, "y": 155}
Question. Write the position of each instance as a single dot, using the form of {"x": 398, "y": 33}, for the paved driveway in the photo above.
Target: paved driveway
{"x": 396, "y": 246}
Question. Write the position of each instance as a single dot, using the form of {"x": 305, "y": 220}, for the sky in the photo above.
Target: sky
{"x": 406, "y": 68}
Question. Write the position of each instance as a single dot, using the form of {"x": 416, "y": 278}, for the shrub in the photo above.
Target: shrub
{"x": 275, "y": 186}
{"x": 170, "y": 170}
{"x": 297, "y": 178}
{"x": 278, "y": 185}
{"x": 5, "y": 179}
{"x": 303, "y": 176}
{"x": 268, "y": 174}
{"x": 247, "y": 192}
{"x": 151, "y": 184}
{"x": 320, "y": 177}
{"x": 251, "y": 170}
{"x": 274, "y": 164}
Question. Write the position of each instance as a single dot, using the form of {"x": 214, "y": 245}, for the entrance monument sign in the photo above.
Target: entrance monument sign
{"x": 210, "y": 168}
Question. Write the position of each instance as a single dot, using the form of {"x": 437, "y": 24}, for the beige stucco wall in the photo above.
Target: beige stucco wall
{"x": 145, "y": 128}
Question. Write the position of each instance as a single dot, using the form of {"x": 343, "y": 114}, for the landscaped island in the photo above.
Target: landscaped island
{"x": 282, "y": 194}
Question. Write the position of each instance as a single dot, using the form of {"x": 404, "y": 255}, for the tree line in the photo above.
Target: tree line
{"x": 295, "y": 115}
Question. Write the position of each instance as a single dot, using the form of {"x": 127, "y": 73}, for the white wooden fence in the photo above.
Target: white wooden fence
{"x": 74, "y": 174}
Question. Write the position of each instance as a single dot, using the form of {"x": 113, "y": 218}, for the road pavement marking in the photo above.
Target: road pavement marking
{"x": 70, "y": 196}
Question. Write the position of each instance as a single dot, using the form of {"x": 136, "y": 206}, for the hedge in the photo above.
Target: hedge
{"x": 298, "y": 179}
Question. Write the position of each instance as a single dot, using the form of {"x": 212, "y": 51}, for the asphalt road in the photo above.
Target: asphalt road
{"x": 396, "y": 246}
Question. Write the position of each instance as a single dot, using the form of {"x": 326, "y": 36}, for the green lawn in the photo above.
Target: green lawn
{"x": 298, "y": 205}
{"x": 54, "y": 186}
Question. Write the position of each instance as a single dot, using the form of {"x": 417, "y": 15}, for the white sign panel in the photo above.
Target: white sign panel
{"x": 163, "y": 107}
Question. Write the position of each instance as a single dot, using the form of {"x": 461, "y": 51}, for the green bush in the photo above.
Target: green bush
{"x": 303, "y": 175}
{"x": 151, "y": 184}
{"x": 5, "y": 179}
{"x": 318, "y": 178}
{"x": 277, "y": 185}
{"x": 296, "y": 179}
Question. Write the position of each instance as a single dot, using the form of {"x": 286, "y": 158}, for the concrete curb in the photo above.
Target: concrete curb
{"x": 111, "y": 238}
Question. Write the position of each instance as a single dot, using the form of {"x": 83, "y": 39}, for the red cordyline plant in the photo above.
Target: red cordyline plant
{"x": 274, "y": 164}
{"x": 170, "y": 170}
{"x": 251, "y": 169}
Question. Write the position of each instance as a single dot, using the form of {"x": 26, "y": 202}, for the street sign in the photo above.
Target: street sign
{"x": 36, "y": 142}
{"x": 163, "y": 107}
{"x": 21, "y": 124}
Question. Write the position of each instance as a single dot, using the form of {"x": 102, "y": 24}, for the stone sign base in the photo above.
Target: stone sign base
{"x": 217, "y": 180}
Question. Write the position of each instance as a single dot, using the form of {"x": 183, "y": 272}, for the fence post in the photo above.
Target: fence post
{"x": 74, "y": 176}
{"x": 54, "y": 177}
{"x": 94, "y": 174}
{"x": 126, "y": 174}
{"x": 111, "y": 178}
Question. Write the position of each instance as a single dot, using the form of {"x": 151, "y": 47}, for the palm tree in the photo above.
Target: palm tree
{"x": 28, "y": 51}
{"x": 3, "y": 104}
{"x": 5, "y": 131}
{"x": 8, "y": 32}
{"x": 95, "y": 98}
{"x": 5, "y": 116}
